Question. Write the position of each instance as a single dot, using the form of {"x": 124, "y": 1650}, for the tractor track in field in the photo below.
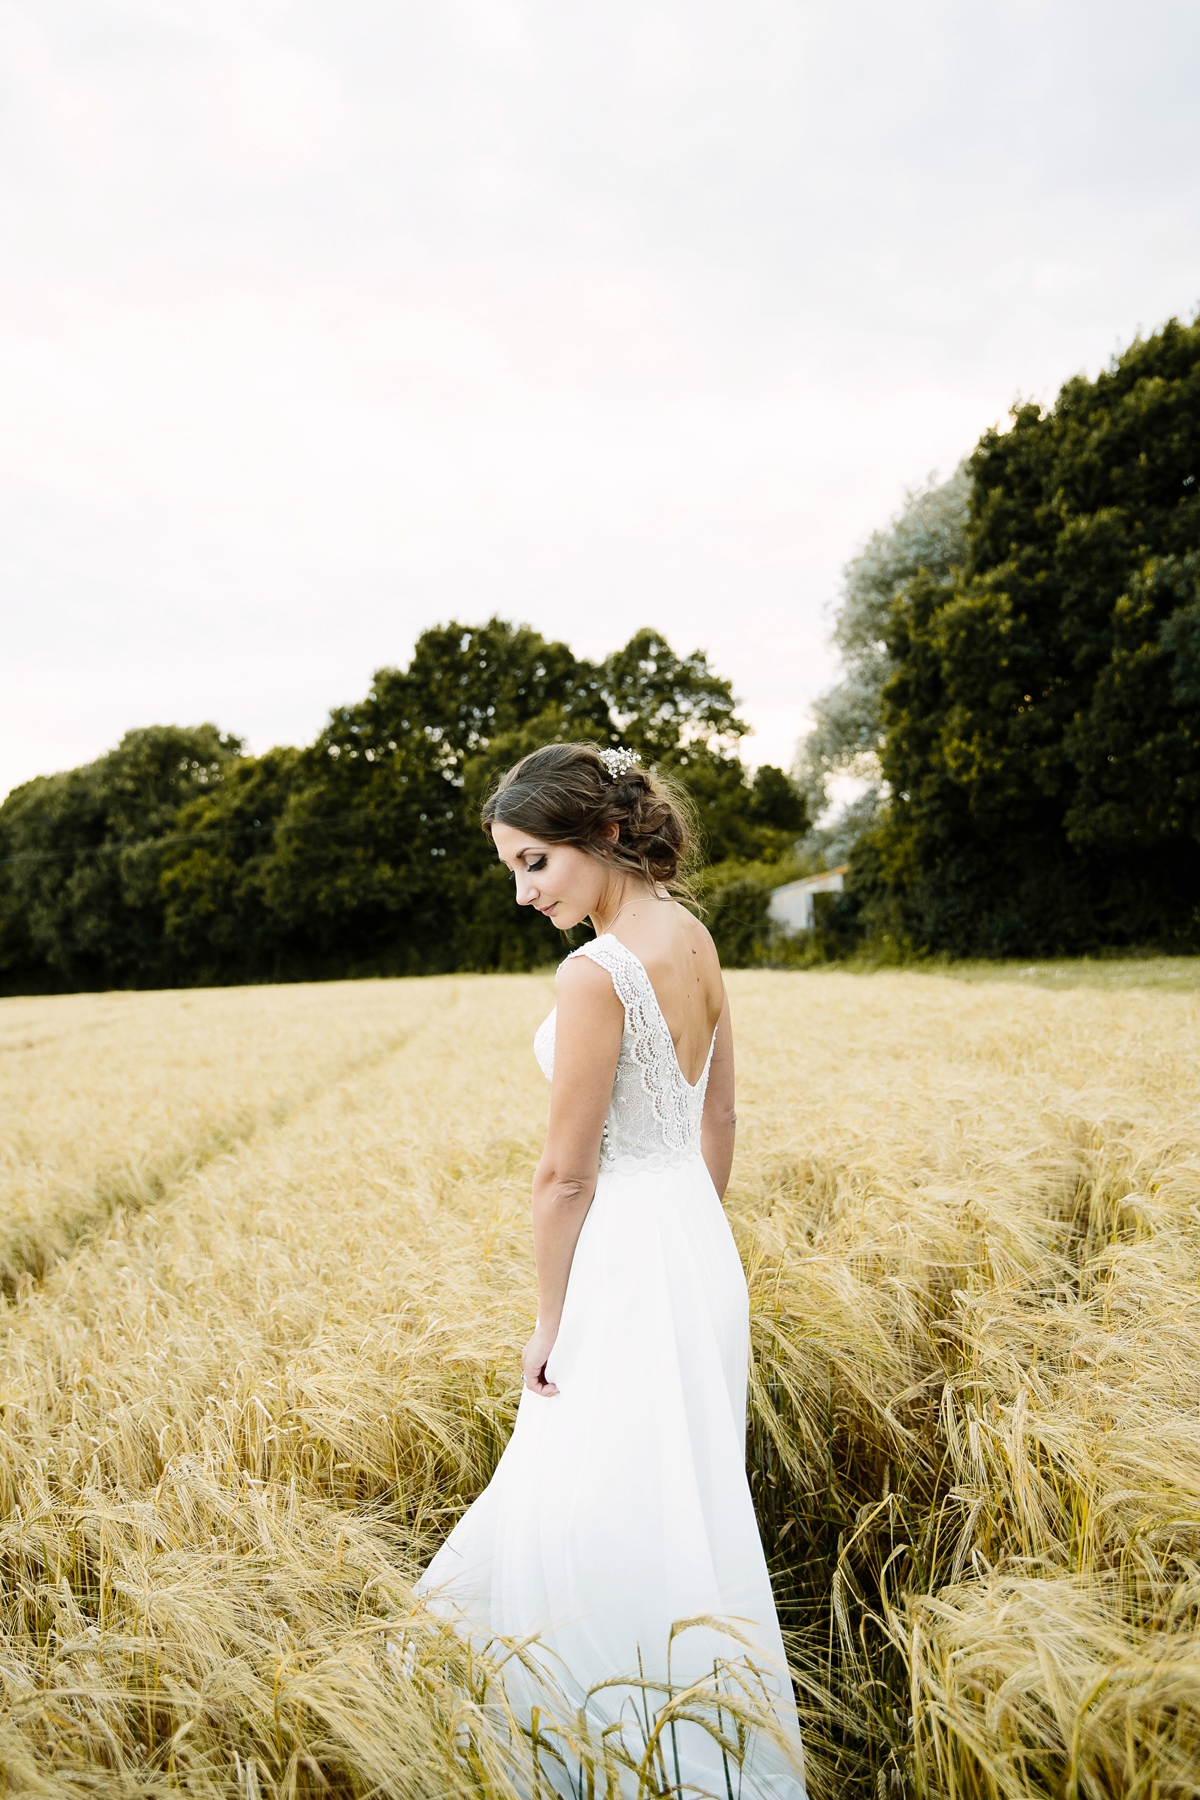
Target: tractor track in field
{"x": 27, "y": 1260}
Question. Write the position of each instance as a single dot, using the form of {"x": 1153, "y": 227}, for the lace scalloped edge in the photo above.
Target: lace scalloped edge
{"x": 643, "y": 1049}
{"x": 653, "y": 1163}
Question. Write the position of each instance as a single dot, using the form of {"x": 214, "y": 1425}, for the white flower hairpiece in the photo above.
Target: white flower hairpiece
{"x": 618, "y": 762}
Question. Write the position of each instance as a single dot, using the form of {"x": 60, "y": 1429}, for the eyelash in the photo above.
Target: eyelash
{"x": 530, "y": 868}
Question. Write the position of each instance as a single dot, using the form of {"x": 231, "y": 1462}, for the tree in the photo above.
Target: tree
{"x": 681, "y": 716}
{"x": 81, "y": 858}
{"x": 216, "y": 922}
{"x": 1042, "y": 744}
{"x": 371, "y": 861}
{"x": 663, "y": 705}
{"x": 927, "y": 537}
{"x": 467, "y": 685}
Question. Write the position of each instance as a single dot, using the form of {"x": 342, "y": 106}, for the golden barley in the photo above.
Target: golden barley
{"x": 267, "y": 1258}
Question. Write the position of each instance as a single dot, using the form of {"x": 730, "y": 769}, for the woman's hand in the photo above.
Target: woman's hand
{"x": 533, "y": 1361}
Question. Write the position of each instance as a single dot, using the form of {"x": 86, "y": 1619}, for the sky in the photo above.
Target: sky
{"x": 323, "y": 322}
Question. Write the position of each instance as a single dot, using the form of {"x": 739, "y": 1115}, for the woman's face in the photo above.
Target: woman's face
{"x": 560, "y": 880}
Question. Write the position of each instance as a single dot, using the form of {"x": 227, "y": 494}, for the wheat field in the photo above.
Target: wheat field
{"x": 265, "y": 1267}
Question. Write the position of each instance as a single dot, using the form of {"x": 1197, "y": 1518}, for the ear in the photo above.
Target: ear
{"x": 611, "y": 832}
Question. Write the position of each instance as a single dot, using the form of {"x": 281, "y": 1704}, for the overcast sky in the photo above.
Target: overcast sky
{"x": 322, "y": 322}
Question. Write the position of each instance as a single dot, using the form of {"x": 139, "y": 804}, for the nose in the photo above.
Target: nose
{"x": 527, "y": 891}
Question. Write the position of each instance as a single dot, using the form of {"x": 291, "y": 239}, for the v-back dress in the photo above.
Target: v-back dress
{"x": 621, "y": 1505}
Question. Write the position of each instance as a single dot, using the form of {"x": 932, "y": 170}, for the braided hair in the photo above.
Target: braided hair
{"x": 565, "y": 794}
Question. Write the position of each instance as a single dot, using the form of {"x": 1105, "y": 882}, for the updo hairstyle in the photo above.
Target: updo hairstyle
{"x": 563, "y": 794}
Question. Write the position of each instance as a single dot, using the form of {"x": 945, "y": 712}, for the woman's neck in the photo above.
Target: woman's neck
{"x": 603, "y": 917}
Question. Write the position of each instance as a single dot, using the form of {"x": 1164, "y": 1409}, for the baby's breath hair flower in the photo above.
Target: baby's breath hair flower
{"x": 618, "y": 762}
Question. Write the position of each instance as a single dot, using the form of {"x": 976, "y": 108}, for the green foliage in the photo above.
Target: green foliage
{"x": 216, "y": 919}
{"x": 1042, "y": 738}
{"x": 659, "y": 702}
{"x": 835, "y": 930}
{"x": 927, "y": 537}
{"x": 176, "y": 859}
{"x": 734, "y": 898}
{"x": 736, "y": 914}
{"x": 81, "y": 860}
{"x": 467, "y": 685}
{"x": 776, "y": 803}
{"x": 759, "y": 821}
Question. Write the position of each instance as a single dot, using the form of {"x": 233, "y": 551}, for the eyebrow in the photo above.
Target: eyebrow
{"x": 526, "y": 850}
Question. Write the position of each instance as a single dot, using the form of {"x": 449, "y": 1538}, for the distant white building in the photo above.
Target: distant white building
{"x": 792, "y": 905}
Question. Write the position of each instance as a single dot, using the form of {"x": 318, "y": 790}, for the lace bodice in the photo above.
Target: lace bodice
{"x": 654, "y": 1114}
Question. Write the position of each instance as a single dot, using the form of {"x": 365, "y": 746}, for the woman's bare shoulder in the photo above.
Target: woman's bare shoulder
{"x": 693, "y": 935}
{"x": 671, "y": 939}
{"x": 696, "y": 931}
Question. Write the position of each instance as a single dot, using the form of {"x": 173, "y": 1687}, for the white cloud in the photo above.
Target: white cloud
{"x": 496, "y": 31}
{"x": 660, "y": 55}
{"x": 222, "y": 21}
{"x": 490, "y": 185}
{"x": 246, "y": 111}
{"x": 272, "y": 117}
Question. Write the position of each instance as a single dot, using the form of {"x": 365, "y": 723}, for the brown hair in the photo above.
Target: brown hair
{"x": 563, "y": 794}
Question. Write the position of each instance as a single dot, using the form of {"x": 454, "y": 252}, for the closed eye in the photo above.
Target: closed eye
{"x": 531, "y": 868}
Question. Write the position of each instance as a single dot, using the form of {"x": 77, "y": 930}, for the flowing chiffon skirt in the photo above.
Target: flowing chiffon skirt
{"x": 620, "y": 1507}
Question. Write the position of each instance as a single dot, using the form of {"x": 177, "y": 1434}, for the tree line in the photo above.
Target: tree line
{"x": 178, "y": 859}
{"x": 1021, "y": 695}
{"x": 1020, "y": 703}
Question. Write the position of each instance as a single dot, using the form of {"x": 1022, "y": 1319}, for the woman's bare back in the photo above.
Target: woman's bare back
{"x": 685, "y": 973}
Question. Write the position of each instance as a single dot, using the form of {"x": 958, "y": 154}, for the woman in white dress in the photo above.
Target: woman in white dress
{"x": 620, "y": 1508}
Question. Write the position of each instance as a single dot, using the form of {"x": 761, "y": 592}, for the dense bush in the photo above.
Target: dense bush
{"x": 735, "y": 898}
{"x": 735, "y": 911}
{"x": 176, "y": 859}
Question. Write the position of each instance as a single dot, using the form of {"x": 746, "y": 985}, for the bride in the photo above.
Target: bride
{"x": 620, "y": 1508}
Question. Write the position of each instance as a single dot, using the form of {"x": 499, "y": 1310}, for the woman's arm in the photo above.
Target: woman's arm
{"x": 720, "y": 1120}
{"x": 587, "y": 1043}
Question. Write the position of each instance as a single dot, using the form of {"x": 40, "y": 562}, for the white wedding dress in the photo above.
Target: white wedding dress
{"x": 621, "y": 1506}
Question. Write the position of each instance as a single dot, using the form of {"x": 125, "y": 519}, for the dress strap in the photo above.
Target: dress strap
{"x": 625, "y": 970}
